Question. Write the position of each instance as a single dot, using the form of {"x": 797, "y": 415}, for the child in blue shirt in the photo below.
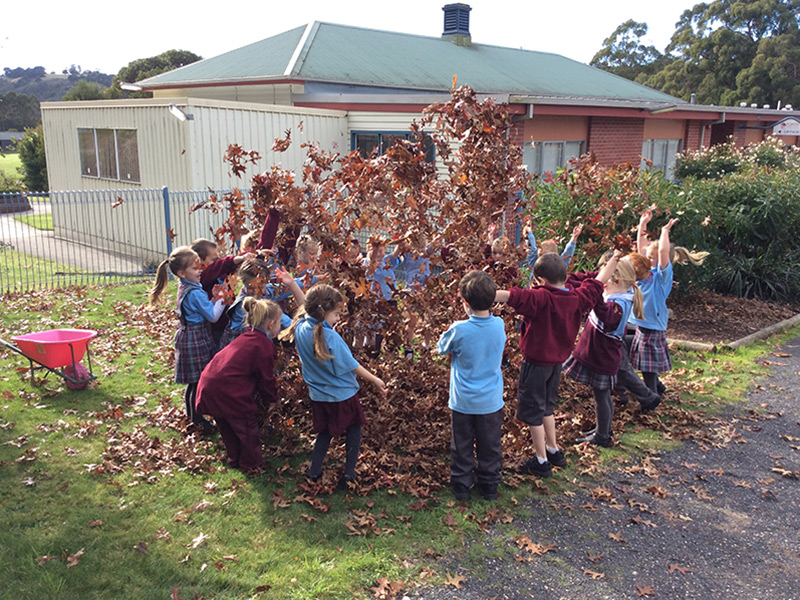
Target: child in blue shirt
{"x": 331, "y": 372}
{"x": 476, "y": 389}
{"x": 549, "y": 246}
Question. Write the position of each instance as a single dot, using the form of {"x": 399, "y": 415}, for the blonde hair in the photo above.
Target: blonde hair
{"x": 179, "y": 259}
{"x": 549, "y": 247}
{"x": 258, "y": 312}
{"x": 304, "y": 243}
{"x": 499, "y": 246}
{"x": 251, "y": 239}
{"x": 680, "y": 255}
{"x": 625, "y": 273}
{"x": 253, "y": 269}
{"x": 320, "y": 300}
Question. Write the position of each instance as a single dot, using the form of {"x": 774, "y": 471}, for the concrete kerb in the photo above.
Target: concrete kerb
{"x": 749, "y": 339}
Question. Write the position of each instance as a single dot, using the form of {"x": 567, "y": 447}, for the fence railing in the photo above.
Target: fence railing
{"x": 60, "y": 239}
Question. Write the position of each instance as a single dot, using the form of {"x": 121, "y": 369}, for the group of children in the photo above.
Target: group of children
{"x": 627, "y": 291}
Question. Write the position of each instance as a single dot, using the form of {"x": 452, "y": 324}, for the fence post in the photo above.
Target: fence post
{"x": 167, "y": 220}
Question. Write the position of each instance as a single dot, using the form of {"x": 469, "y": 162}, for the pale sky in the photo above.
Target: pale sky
{"x": 106, "y": 36}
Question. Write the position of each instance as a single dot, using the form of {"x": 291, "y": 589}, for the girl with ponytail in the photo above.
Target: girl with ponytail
{"x": 331, "y": 373}
{"x": 194, "y": 345}
{"x": 597, "y": 356}
{"x": 227, "y": 387}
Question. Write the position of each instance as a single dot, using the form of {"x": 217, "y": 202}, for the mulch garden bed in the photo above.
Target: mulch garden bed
{"x": 713, "y": 318}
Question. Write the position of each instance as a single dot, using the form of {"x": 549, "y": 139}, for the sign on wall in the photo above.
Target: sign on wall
{"x": 789, "y": 126}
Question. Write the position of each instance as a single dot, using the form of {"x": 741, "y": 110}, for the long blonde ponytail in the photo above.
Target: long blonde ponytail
{"x": 626, "y": 273}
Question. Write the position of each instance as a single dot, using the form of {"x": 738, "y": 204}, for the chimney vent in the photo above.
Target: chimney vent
{"x": 456, "y": 24}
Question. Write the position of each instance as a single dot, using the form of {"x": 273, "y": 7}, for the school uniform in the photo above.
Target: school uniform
{"x": 383, "y": 278}
{"x": 194, "y": 346}
{"x": 216, "y": 273}
{"x": 533, "y": 252}
{"x": 476, "y": 398}
{"x": 551, "y": 320}
{"x": 649, "y": 352}
{"x": 226, "y": 392}
{"x": 416, "y": 270}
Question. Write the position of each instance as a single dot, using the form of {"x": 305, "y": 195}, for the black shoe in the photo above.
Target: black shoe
{"x": 597, "y": 440}
{"x": 648, "y": 406}
{"x": 488, "y": 490}
{"x": 556, "y": 458}
{"x": 313, "y": 479}
{"x": 661, "y": 388}
{"x": 347, "y": 483}
{"x": 532, "y": 466}
{"x": 588, "y": 432}
{"x": 621, "y": 397}
{"x": 460, "y": 491}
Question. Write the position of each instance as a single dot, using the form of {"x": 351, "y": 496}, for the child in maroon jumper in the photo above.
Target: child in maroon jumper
{"x": 227, "y": 384}
{"x": 552, "y": 316}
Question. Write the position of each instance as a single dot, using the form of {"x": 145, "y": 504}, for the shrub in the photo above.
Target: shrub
{"x": 34, "y": 164}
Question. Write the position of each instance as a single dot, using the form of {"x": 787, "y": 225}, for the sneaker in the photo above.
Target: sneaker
{"x": 488, "y": 490}
{"x": 588, "y": 432}
{"x": 532, "y": 466}
{"x": 460, "y": 491}
{"x": 556, "y": 458}
{"x": 648, "y": 406}
{"x": 597, "y": 440}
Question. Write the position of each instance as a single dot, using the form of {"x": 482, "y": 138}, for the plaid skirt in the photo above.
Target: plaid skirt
{"x": 578, "y": 371}
{"x": 194, "y": 348}
{"x": 228, "y": 336}
{"x": 649, "y": 351}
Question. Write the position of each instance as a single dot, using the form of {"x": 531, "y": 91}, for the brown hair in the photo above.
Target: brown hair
{"x": 625, "y": 273}
{"x": 551, "y": 268}
{"x": 251, "y": 239}
{"x": 641, "y": 265}
{"x": 252, "y": 269}
{"x": 320, "y": 300}
{"x": 179, "y": 259}
{"x": 549, "y": 247}
{"x": 478, "y": 289}
{"x": 202, "y": 247}
{"x": 258, "y": 312}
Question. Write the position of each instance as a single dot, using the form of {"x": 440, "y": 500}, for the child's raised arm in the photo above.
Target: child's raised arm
{"x": 664, "y": 244}
{"x": 608, "y": 269}
{"x": 286, "y": 279}
{"x": 373, "y": 379}
{"x": 641, "y": 235}
{"x": 502, "y": 296}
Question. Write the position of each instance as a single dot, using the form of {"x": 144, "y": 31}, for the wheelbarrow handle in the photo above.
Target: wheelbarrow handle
{"x": 11, "y": 346}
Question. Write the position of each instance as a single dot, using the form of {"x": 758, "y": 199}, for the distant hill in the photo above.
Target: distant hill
{"x": 47, "y": 86}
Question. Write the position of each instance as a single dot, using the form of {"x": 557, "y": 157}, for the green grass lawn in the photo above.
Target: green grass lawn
{"x": 43, "y": 222}
{"x": 174, "y": 531}
{"x": 10, "y": 162}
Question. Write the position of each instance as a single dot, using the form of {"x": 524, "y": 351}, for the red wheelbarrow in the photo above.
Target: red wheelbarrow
{"x": 58, "y": 351}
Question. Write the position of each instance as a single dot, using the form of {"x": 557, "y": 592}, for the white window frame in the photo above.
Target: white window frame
{"x": 661, "y": 154}
{"x": 533, "y": 154}
{"x": 97, "y": 157}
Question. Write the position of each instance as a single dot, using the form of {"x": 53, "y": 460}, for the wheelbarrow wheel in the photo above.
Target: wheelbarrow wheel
{"x": 80, "y": 373}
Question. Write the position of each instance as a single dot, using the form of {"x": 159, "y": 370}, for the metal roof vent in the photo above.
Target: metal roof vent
{"x": 456, "y": 24}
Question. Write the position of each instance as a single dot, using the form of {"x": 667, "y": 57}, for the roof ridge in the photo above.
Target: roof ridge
{"x": 301, "y": 50}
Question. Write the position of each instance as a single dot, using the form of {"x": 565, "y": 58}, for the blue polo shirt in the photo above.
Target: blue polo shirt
{"x": 476, "y": 348}
{"x": 655, "y": 290}
{"x": 331, "y": 380}
{"x": 383, "y": 276}
{"x": 416, "y": 270}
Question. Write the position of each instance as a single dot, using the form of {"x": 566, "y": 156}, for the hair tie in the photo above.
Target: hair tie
{"x": 319, "y": 305}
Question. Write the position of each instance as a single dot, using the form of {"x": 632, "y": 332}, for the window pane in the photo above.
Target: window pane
{"x": 107, "y": 151}
{"x": 88, "y": 155}
{"x": 128, "y": 155}
{"x": 572, "y": 150}
{"x": 551, "y": 157}
{"x": 530, "y": 157}
{"x": 366, "y": 143}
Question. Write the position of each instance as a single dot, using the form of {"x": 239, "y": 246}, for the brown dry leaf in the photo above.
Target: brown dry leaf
{"x": 454, "y": 580}
{"x": 701, "y": 493}
{"x": 657, "y": 491}
{"x": 594, "y": 574}
{"x": 617, "y": 537}
{"x": 162, "y": 534}
{"x": 676, "y": 567}
{"x": 450, "y": 520}
{"x": 644, "y": 590}
{"x": 72, "y": 559}
{"x": 595, "y": 557}
{"x": 40, "y": 560}
{"x": 198, "y": 540}
{"x": 785, "y": 472}
{"x": 141, "y": 547}
{"x": 96, "y": 523}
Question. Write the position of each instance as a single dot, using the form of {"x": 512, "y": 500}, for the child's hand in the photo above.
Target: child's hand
{"x": 219, "y": 292}
{"x": 491, "y": 231}
{"x": 283, "y": 275}
{"x": 577, "y": 232}
{"x": 645, "y": 218}
{"x": 669, "y": 225}
{"x": 380, "y": 385}
{"x": 526, "y": 230}
{"x": 267, "y": 252}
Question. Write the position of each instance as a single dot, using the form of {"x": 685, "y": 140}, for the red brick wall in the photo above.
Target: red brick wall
{"x": 691, "y": 138}
{"x": 516, "y": 134}
{"x": 616, "y": 140}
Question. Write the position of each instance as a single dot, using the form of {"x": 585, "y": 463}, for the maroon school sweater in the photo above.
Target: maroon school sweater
{"x": 595, "y": 349}
{"x": 552, "y": 318}
{"x": 227, "y": 383}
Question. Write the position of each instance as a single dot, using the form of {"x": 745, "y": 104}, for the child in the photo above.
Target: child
{"x": 194, "y": 346}
{"x": 416, "y": 268}
{"x": 254, "y": 275}
{"x": 552, "y": 316}
{"x": 476, "y": 389}
{"x": 550, "y": 246}
{"x": 649, "y": 352}
{"x": 497, "y": 255}
{"x": 215, "y": 271}
{"x": 227, "y": 384}
{"x": 598, "y": 354}
{"x": 331, "y": 373}
{"x": 380, "y": 268}
{"x": 307, "y": 256}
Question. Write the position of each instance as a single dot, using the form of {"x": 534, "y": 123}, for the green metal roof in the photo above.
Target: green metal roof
{"x": 340, "y": 53}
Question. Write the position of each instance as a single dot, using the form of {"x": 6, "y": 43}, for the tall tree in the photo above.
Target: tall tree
{"x": 623, "y": 52}
{"x": 18, "y": 111}
{"x": 34, "y": 164}
{"x": 85, "y": 90}
{"x": 143, "y": 68}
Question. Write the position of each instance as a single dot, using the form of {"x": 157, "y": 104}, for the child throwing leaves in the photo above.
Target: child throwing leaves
{"x": 194, "y": 346}
{"x": 228, "y": 384}
{"x": 331, "y": 373}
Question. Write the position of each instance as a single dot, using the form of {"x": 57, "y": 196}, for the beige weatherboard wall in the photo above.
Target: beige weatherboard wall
{"x": 183, "y": 155}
